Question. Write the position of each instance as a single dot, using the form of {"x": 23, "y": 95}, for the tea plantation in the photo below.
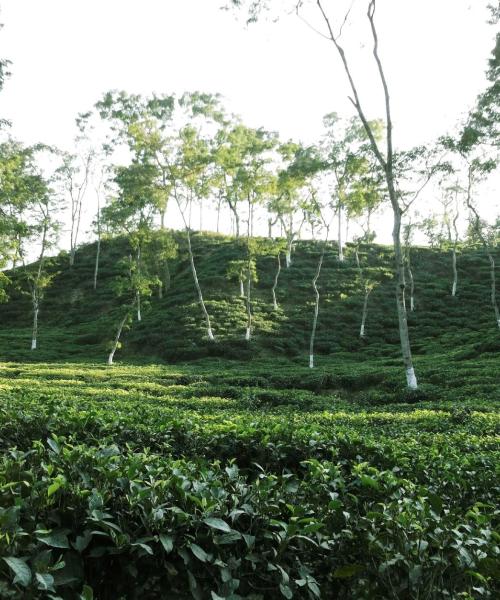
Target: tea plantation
{"x": 231, "y": 470}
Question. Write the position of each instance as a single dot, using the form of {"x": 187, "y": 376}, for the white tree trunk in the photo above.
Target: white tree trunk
{"x": 316, "y": 307}
{"x": 341, "y": 245}
{"x": 138, "y": 300}
{"x": 117, "y": 340}
{"x": 242, "y": 289}
{"x": 34, "y": 333}
{"x": 364, "y": 315}
{"x": 412, "y": 287}
{"x": 35, "y": 330}
{"x": 96, "y": 267}
{"x": 455, "y": 273}
{"x": 275, "y": 284}
{"x": 399, "y": 268}
{"x": 411, "y": 379}
{"x": 198, "y": 288}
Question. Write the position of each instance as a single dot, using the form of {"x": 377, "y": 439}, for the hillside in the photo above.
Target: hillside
{"x": 77, "y": 322}
{"x": 238, "y": 472}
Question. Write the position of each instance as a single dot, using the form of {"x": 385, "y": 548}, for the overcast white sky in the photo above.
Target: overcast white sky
{"x": 283, "y": 76}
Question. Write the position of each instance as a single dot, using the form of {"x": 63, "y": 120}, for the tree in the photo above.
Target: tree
{"x": 275, "y": 248}
{"x": 167, "y": 139}
{"x": 442, "y": 229}
{"x": 384, "y": 156}
{"x": 487, "y": 236}
{"x": 100, "y": 181}
{"x": 4, "y": 74}
{"x": 74, "y": 174}
{"x": 27, "y": 218}
{"x": 43, "y": 228}
{"x": 292, "y": 198}
{"x": 349, "y": 158}
{"x": 130, "y": 286}
{"x": 312, "y": 338}
{"x": 162, "y": 248}
{"x": 131, "y": 212}
{"x": 238, "y": 270}
{"x": 408, "y": 236}
{"x": 483, "y": 123}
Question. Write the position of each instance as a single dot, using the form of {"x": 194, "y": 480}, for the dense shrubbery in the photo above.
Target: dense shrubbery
{"x": 153, "y": 482}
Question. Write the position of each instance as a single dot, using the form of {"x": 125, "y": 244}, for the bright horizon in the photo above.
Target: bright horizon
{"x": 282, "y": 76}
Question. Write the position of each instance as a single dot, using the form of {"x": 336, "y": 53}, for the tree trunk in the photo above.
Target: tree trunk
{"x": 455, "y": 272}
{"x": 137, "y": 294}
{"x": 96, "y": 266}
{"x": 72, "y": 256}
{"x": 399, "y": 268}
{"x": 249, "y": 271}
{"x": 387, "y": 165}
{"x": 117, "y": 339}
{"x": 365, "y": 313}
{"x": 218, "y": 212}
{"x": 341, "y": 248}
{"x": 316, "y": 306}
{"x": 367, "y": 293}
{"x": 236, "y": 217}
{"x": 242, "y": 289}
{"x": 412, "y": 286}
{"x": 288, "y": 256}
{"x": 198, "y": 288}
{"x": 34, "y": 333}
{"x": 138, "y": 302}
{"x": 275, "y": 284}
{"x": 249, "y": 308}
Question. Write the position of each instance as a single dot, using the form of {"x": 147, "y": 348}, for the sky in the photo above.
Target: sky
{"x": 283, "y": 76}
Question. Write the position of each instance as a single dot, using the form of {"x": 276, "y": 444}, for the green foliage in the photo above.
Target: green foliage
{"x": 299, "y": 494}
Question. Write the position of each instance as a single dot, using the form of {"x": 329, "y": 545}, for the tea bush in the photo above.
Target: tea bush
{"x": 209, "y": 482}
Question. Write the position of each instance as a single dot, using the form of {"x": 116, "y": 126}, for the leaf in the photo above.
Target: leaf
{"x": 53, "y": 487}
{"x": 313, "y": 586}
{"x": 194, "y": 587}
{"x": 54, "y": 445}
{"x": 82, "y": 541}
{"x": 286, "y": 591}
{"x": 55, "y": 539}
{"x": 145, "y": 547}
{"x": 199, "y": 553}
{"x": 368, "y": 481}
{"x": 45, "y": 581}
{"x": 20, "y": 568}
{"x": 87, "y": 593}
{"x": 167, "y": 542}
{"x": 217, "y": 524}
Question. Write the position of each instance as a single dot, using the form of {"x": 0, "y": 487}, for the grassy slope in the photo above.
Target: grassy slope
{"x": 376, "y": 495}
{"x": 77, "y": 323}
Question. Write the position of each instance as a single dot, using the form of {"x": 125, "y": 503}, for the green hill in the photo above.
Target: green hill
{"x": 78, "y": 322}
{"x": 238, "y": 472}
